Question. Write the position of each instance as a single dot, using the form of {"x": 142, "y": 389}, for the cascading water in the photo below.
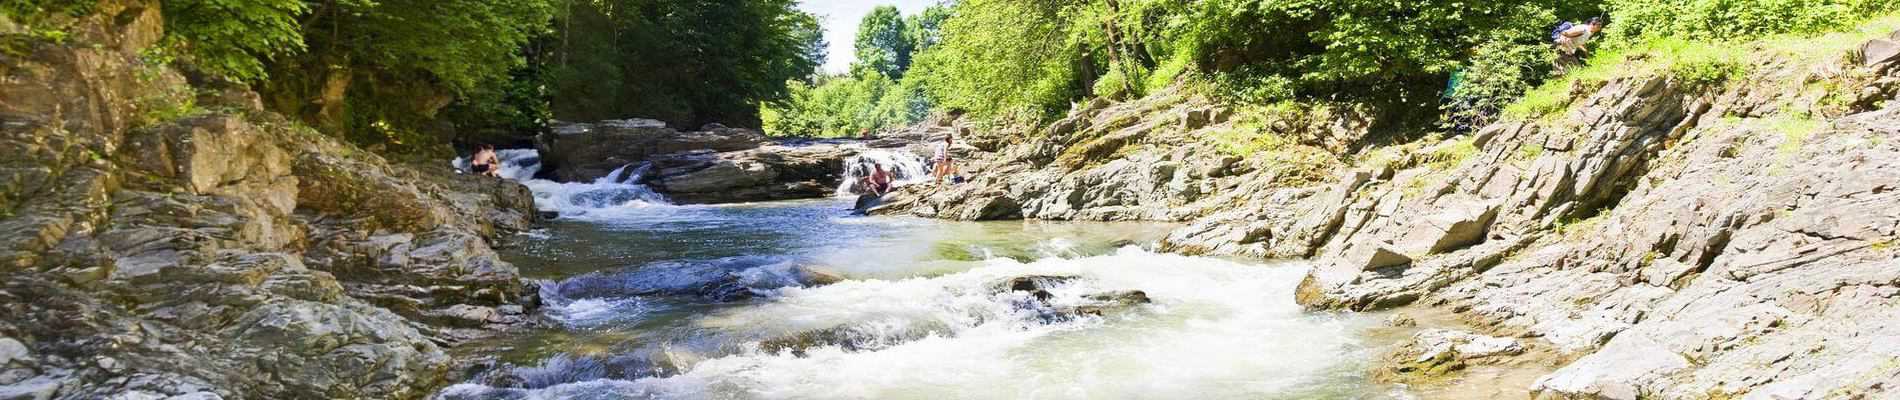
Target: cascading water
{"x": 905, "y": 168}
{"x": 620, "y": 189}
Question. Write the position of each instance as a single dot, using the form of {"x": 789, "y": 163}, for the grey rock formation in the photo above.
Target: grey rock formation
{"x": 223, "y": 254}
{"x": 1113, "y": 162}
{"x": 771, "y": 172}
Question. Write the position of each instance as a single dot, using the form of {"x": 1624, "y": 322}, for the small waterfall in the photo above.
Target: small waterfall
{"x": 905, "y": 168}
{"x": 619, "y": 189}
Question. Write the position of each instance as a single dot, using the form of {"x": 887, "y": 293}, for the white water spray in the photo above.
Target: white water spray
{"x": 1217, "y": 329}
{"x": 620, "y": 189}
{"x": 905, "y": 168}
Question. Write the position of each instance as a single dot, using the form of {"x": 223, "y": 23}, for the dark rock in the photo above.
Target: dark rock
{"x": 585, "y": 152}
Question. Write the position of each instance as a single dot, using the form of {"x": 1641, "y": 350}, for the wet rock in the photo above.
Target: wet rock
{"x": 1434, "y": 354}
{"x": 721, "y": 280}
{"x": 1051, "y": 309}
{"x": 1031, "y": 283}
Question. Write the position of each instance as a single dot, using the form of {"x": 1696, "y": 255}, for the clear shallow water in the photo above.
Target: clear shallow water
{"x": 724, "y": 302}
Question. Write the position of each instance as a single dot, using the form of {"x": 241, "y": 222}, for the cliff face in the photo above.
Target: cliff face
{"x": 160, "y": 237}
{"x": 1676, "y": 239}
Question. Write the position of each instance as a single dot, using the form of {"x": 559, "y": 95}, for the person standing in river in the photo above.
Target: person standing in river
{"x": 941, "y": 164}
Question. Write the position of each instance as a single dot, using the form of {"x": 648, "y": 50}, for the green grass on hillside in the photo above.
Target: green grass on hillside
{"x": 1703, "y": 64}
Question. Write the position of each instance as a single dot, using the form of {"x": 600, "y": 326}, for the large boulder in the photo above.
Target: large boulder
{"x": 587, "y": 151}
{"x": 773, "y": 172}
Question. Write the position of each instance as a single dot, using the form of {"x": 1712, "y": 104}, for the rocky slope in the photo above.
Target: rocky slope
{"x": 713, "y": 165}
{"x": 167, "y": 238}
{"x": 1675, "y": 239}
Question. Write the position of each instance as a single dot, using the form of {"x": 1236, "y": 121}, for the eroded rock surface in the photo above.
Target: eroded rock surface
{"x": 224, "y": 254}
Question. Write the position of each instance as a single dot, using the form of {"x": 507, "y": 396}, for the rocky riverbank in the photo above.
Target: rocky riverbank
{"x": 164, "y": 237}
{"x": 1675, "y": 238}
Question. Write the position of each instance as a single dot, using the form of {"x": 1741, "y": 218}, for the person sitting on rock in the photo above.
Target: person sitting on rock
{"x": 485, "y": 162}
{"x": 941, "y": 164}
{"x": 1573, "y": 43}
{"x": 880, "y": 180}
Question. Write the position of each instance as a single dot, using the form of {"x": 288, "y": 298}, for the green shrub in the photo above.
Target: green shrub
{"x": 234, "y": 38}
{"x": 1734, "y": 19}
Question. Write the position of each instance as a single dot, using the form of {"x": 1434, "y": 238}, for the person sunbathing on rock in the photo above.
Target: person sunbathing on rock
{"x": 485, "y": 162}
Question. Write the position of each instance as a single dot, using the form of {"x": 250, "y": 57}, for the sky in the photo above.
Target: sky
{"x": 840, "y": 19}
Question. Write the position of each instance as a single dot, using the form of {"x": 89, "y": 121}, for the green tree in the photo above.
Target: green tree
{"x": 883, "y": 43}
{"x": 687, "y": 62}
{"x": 380, "y": 72}
{"x": 926, "y": 28}
{"x": 234, "y": 38}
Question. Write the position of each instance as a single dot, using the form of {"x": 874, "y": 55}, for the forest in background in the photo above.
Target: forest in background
{"x": 413, "y": 76}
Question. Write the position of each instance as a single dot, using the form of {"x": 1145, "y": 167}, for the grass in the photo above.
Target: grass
{"x": 1702, "y": 65}
{"x": 1795, "y": 131}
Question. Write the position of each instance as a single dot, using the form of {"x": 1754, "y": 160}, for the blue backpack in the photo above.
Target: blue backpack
{"x": 1561, "y": 28}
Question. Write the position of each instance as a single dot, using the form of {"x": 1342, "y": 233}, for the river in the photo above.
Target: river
{"x": 801, "y": 300}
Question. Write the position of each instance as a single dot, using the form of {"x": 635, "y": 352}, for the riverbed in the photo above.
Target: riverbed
{"x": 803, "y": 300}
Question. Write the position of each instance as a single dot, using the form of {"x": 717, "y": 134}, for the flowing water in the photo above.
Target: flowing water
{"x": 798, "y": 300}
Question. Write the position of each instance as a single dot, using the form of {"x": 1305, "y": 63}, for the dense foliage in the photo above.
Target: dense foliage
{"x": 234, "y": 38}
{"x": 876, "y": 94}
{"x": 1735, "y": 19}
{"x": 883, "y": 44}
{"x": 418, "y": 73}
{"x": 687, "y": 62}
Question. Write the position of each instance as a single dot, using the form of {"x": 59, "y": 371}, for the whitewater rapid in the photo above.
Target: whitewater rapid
{"x": 619, "y": 190}
{"x": 1216, "y": 329}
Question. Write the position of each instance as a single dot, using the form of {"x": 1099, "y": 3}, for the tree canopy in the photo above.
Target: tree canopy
{"x": 884, "y": 44}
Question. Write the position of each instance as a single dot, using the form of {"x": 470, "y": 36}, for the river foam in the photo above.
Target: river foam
{"x": 602, "y": 198}
{"x": 1216, "y": 329}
